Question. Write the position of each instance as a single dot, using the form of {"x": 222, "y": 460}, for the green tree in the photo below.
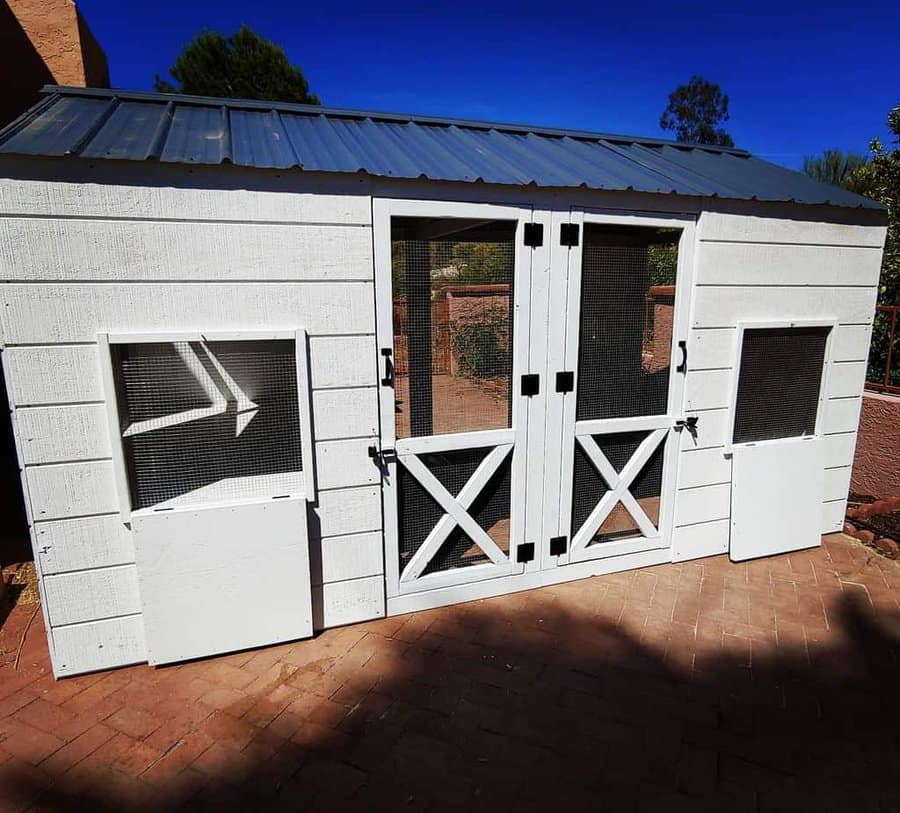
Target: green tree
{"x": 879, "y": 178}
{"x": 244, "y": 66}
{"x": 834, "y": 167}
{"x": 695, "y": 112}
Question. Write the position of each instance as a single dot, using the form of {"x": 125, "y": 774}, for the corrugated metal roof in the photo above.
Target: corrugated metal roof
{"x": 113, "y": 124}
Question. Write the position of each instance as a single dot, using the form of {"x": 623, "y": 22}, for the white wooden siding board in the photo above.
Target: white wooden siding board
{"x": 348, "y": 511}
{"x": 70, "y": 373}
{"x": 98, "y": 645}
{"x": 63, "y": 433}
{"x": 833, "y": 515}
{"x": 65, "y": 199}
{"x": 846, "y": 379}
{"x": 711, "y": 349}
{"x": 703, "y": 468}
{"x": 80, "y": 432}
{"x": 702, "y": 504}
{"x": 345, "y": 413}
{"x": 353, "y": 556}
{"x": 838, "y": 449}
{"x": 714, "y": 348}
{"x": 749, "y": 229}
{"x": 836, "y": 483}
{"x": 52, "y": 375}
{"x": 711, "y": 389}
{"x": 345, "y": 463}
{"x": 342, "y": 361}
{"x": 60, "y": 313}
{"x": 842, "y": 415}
{"x": 348, "y": 602}
{"x": 725, "y": 306}
{"x": 851, "y": 343}
{"x": 708, "y": 389}
{"x": 91, "y": 595}
{"x": 712, "y": 428}
{"x": 72, "y": 489}
{"x": 83, "y": 250}
{"x": 755, "y": 264}
{"x": 82, "y": 544}
{"x": 705, "y": 539}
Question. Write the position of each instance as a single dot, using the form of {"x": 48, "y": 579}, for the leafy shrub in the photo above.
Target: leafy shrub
{"x": 481, "y": 344}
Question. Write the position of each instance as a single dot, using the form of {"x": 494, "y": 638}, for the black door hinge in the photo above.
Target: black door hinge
{"x": 534, "y": 234}
{"x": 525, "y": 552}
{"x": 568, "y": 234}
{"x": 558, "y": 545}
{"x": 565, "y": 381}
{"x": 531, "y": 384}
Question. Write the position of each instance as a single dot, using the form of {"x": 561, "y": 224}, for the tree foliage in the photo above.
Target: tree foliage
{"x": 879, "y": 178}
{"x": 244, "y": 65}
{"x": 834, "y": 167}
{"x": 695, "y": 112}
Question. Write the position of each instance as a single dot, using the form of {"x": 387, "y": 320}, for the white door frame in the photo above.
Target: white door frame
{"x": 564, "y": 431}
{"x": 514, "y": 441}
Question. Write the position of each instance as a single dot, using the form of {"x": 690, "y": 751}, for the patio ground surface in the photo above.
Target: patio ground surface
{"x": 771, "y": 685}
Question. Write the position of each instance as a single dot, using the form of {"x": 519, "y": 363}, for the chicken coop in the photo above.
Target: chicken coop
{"x": 275, "y": 368}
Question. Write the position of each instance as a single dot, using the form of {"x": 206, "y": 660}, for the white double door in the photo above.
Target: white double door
{"x": 528, "y": 387}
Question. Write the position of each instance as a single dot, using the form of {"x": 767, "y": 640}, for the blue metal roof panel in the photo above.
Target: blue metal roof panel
{"x": 196, "y": 130}
{"x": 128, "y": 133}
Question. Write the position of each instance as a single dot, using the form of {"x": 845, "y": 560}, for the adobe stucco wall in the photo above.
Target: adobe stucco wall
{"x": 52, "y": 27}
{"x": 876, "y": 466}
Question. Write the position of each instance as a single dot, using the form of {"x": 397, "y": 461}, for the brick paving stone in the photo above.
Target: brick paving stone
{"x": 134, "y": 722}
{"x": 26, "y": 742}
{"x": 703, "y": 685}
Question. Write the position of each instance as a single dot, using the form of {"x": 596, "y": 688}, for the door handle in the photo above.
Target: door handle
{"x": 682, "y": 368}
{"x": 388, "y": 379}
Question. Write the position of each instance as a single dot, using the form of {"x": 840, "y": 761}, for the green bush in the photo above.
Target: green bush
{"x": 481, "y": 344}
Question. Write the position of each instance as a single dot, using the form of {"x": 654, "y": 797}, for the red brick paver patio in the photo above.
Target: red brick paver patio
{"x": 765, "y": 686}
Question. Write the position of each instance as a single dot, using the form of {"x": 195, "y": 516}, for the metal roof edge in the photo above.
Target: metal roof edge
{"x": 337, "y": 112}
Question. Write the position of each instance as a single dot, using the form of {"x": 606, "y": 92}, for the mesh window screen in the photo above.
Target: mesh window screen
{"x": 627, "y": 316}
{"x": 779, "y": 383}
{"x": 419, "y": 512}
{"x": 453, "y": 319}
{"x": 589, "y": 487}
{"x": 204, "y": 422}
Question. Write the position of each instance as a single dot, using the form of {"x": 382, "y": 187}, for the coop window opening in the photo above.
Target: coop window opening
{"x": 453, "y": 303}
{"x": 780, "y": 380}
{"x": 201, "y": 419}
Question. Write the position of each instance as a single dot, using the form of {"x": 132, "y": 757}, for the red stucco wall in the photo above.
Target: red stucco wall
{"x": 876, "y": 467}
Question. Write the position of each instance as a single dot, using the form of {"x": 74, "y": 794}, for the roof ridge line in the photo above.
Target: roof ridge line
{"x": 338, "y": 112}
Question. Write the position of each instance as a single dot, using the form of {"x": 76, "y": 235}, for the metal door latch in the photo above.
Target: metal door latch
{"x": 382, "y": 458}
{"x": 689, "y": 423}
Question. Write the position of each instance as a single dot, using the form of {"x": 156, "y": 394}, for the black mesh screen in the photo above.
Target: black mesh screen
{"x": 418, "y": 512}
{"x": 589, "y": 487}
{"x": 453, "y": 325}
{"x": 207, "y": 421}
{"x": 627, "y": 316}
{"x": 779, "y": 383}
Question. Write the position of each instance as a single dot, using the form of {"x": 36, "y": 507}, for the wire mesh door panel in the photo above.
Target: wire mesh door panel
{"x": 454, "y": 300}
{"x": 616, "y": 467}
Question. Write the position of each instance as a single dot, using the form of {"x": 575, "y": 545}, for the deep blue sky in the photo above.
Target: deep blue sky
{"x": 801, "y": 77}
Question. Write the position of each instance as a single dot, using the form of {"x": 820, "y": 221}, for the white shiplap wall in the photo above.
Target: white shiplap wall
{"x": 78, "y": 258}
{"x": 756, "y": 268}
